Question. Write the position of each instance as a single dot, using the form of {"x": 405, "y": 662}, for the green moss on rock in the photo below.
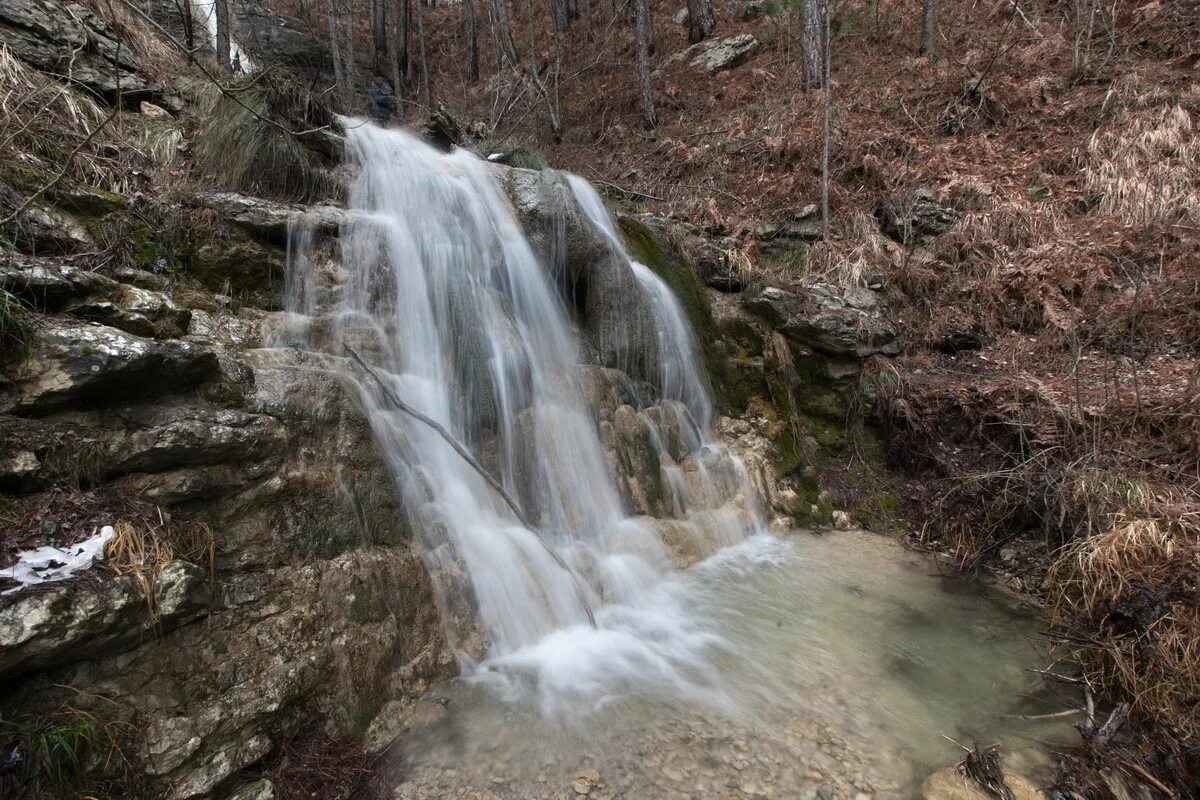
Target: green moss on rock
{"x": 662, "y": 255}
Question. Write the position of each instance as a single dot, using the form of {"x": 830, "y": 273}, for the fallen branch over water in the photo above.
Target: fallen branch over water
{"x": 468, "y": 457}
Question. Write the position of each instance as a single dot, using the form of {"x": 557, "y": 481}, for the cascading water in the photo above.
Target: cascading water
{"x": 441, "y": 293}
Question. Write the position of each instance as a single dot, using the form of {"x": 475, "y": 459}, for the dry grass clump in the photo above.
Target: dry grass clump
{"x": 1128, "y": 600}
{"x": 43, "y": 120}
{"x": 142, "y": 549}
{"x": 248, "y": 144}
{"x": 147, "y": 537}
{"x": 862, "y": 251}
{"x": 1144, "y": 165}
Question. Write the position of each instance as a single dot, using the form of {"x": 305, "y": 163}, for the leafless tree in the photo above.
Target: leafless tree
{"x": 826, "y": 100}
{"x": 426, "y": 91}
{"x": 641, "y": 13}
{"x": 335, "y": 55}
{"x": 810, "y": 42}
{"x": 379, "y": 15}
{"x": 702, "y": 20}
{"x": 928, "y": 27}
{"x": 563, "y": 12}
{"x": 351, "y": 61}
{"x": 397, "y": 44}
{"x": 550, "y": 98}
{"x": 504, "y": 34}
{"x": 221, "y": 10}
{"x": 468, "y": 11}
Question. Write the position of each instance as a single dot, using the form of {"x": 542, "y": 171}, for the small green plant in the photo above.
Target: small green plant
{"x": 52, "y": 755}
{"x": 14, "y": 331}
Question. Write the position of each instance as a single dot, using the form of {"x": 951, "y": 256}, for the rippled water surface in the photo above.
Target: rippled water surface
{"x": 816, "y": 666}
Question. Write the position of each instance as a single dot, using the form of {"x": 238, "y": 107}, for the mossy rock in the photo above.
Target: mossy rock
{"x": 663, "y": 255}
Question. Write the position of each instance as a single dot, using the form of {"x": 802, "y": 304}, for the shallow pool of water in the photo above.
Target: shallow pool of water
{"x": 817, "y": 666}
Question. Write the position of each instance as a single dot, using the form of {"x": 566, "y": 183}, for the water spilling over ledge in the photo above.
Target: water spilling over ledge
{"x": 501, "y": 306}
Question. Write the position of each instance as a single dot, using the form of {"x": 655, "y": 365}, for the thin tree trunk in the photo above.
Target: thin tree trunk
{"x": 189, "y": 24}
{"x": 641, "y": 13}
{"x": 701, "y": 20}
{"x": 351, "y": 62}
{"x": 508, "y": 46}
{"x": 810, "y": 42}
{"x": 379, "y": 37}
{"x": 426, "y": 94}
{"x": 335, "y": 54}
{"x": 826, "y": 85}
{"x": 563, "y": 14}
{"x": 394, "y": 55}
{"x": 221, "y": 10}
{"x": 928, "y": 28}
{"x": 536, "y": 76}
{"x": 468, "y": 7}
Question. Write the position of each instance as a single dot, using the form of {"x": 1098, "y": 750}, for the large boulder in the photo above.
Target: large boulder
{"x": 53, "y": 286}
{"x": 913, "y": 216}
{"x": 803, "y": 228}
{"x": 75, "y": 364}
{"x": 68, "y": 39}
{"x": 718, "y": 55}
{"x": 843, "y": 332}
{"x": 775, "y": 305}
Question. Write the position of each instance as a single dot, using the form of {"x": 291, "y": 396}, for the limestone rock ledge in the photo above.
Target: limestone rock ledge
{"x": 312, "y": 614}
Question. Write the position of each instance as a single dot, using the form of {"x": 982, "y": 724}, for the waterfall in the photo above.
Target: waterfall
{"x": 439, "y": 290}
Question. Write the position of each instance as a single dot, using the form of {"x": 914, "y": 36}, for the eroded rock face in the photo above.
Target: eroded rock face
{"x": 269, "y": 219}
{"x": 70, "y": 622}
{"x": 844, "y": 333}
{"x": 89, "y": 365}
{"x": 68, "y": 39}
{"x": 595, "y": 280}
{"x": 314, "y": 605}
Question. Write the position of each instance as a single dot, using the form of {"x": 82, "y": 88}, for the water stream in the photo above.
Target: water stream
{"x": 840, "y": 664}
{"x": 768, "y": 663}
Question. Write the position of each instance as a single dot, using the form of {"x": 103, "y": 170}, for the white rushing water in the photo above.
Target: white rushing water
{"x": 440, "y": 291}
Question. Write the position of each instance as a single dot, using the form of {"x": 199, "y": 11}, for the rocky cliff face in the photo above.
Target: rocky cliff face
{"x": 302, "y": 608}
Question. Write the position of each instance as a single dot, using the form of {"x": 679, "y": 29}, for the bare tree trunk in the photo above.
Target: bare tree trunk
{"x": 508, "y": 46}
{"x": 641, "y": 14}
{"x": 701, "y": 20}
{"x": 536, "y": 76}
{"x": 379, "y": 15}
{"x": 394, "y": 14}
{"x": 928, "y": 28}
{"x": 335, "y": 55}
{"x": 426, "y": 94}
{"x": 810, "y": 42}
{"x": 826, "y": 85}
{"x": 189, "y": 24}
{"x": 563, "y": 14}
{"x": 221, "y": 10}
{"x": 468, "y": 8}
{"x": 351, "y": 63}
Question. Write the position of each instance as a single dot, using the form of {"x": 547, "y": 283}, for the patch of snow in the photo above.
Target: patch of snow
{"x": 48, "y": 564}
